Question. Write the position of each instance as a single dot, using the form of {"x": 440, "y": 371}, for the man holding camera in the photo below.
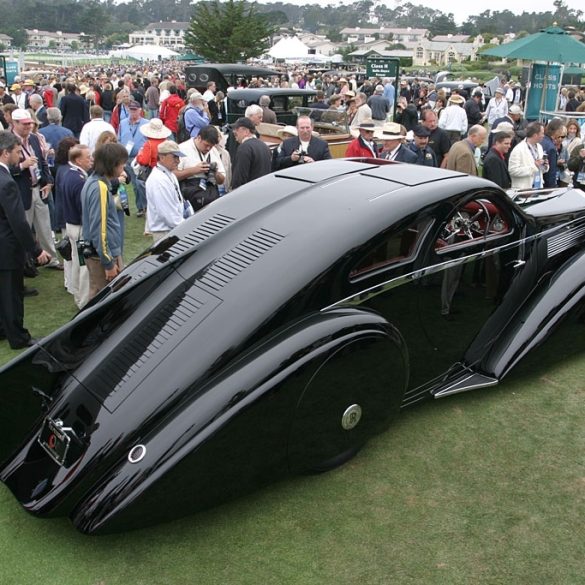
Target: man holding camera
{"x": 303, "y": 148}
{"x": 201, "y": 170}
{"x": 70, "y": 185}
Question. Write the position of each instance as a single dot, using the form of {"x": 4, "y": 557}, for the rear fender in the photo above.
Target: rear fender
{"x": 232, "y": 438}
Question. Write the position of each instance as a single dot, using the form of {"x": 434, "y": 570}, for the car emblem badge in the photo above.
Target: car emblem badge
{"x": 351, "y": 417}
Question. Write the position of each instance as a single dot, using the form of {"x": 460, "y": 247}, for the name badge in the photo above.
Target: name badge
{"x": 129, "y": 146}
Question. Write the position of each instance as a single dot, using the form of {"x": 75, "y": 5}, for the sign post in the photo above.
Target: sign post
{"x": 384, "y": 67}
{"x": 543, "y": 89}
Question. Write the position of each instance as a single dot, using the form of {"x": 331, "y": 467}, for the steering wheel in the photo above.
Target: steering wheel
{"x": 469, "y": 223}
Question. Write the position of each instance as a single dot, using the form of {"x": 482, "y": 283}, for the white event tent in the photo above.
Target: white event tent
{"x": 145, "y": 52}
{"x": 290, "y": 48}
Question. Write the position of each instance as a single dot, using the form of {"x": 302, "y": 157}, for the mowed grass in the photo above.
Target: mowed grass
{"x": 486, "y": 487}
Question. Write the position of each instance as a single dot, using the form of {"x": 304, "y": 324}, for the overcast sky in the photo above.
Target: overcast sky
{"x": 461, "y": 9}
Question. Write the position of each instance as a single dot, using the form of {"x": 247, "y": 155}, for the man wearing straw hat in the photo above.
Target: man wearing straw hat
{"x": 454, "y": 119}
{"x": 393, "y": 144}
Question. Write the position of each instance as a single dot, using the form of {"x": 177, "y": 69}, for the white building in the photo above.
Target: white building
{"x": 5, "y": 40}
{"x": 44, "y": 39}
{"x": 165, "y": 34}
{"x": 442, "y": 53}
{"x": 404, "y": 36}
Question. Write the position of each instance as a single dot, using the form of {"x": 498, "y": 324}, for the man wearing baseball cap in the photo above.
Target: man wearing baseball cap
{"x": 166, "y": 206}
{"x": 34, "y": 181}
{"x": 254, "y": 158}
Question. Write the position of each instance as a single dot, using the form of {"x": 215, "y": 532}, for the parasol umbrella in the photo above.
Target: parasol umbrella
{"x": 552, "y": 45}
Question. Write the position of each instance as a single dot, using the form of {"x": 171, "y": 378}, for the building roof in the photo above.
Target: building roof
{"x": 5, "y": 37}
{"x": 383, "y": 53}
{"x": 384, "y": 30}
{"x": 170, "y": 25}
{"x": 451, "y": 38}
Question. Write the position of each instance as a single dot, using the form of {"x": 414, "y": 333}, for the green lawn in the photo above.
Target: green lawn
{"x": 481, "y": 488}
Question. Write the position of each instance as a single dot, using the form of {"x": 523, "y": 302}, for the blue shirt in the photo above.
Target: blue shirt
{"x": 195, "y": 119}
{"x": 54, "y": 134}
{"x": 389, "y": 93}
{"x": 129, "y": 134}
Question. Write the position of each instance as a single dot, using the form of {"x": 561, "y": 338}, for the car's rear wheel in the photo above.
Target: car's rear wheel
{"x": 352, "y": 395}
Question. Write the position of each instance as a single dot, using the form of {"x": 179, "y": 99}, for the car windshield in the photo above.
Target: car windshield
{"x": 326, "y": 121}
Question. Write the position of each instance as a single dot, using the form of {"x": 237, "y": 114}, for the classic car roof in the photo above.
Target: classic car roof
{"x": 255, "y": 93}
{"x": 237, "y": 69}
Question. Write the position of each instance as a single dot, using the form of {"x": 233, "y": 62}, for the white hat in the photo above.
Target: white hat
{"x": 287, "y": 130}
{"x": 21, "y": 115}
{"x": 155, "y": 129}
{"x": 515, "y": 109}
{"x": 390, "y": 131}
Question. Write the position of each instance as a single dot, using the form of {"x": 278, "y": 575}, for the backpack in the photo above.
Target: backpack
{"x": 183, "y": 134}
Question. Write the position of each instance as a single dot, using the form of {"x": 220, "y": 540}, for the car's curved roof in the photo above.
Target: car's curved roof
{"x": 349, "y": 199}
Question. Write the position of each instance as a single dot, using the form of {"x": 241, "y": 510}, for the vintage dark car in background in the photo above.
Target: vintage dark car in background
{"x": 225, "y": 75}
{"x": 283, "y": 101}
{"x": 277, "y": 330}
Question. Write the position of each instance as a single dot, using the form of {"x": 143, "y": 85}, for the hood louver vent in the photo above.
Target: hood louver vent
{"x": 239, "y": 258}
{"x": 202, "y": 232}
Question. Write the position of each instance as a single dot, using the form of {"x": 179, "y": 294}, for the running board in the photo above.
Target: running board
{"x": 469, "y": 381}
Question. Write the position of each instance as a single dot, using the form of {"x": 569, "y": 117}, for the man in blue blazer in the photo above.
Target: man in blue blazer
{"x": 16, "y": 240}
{"x": 303, "y": 148}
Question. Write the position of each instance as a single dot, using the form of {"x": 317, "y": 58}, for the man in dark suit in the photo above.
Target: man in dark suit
{"x": 15, "y": 240}
{"x": 254, "y": 158}
{"x": 495, "y": 166}
{"x": 37, "y": 105}
{"x": 394, "y": 148}
{"x": 303, "y": 148}
{"x": 75, "y": 110}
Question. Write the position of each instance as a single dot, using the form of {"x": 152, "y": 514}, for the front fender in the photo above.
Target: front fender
{"x": 539, "y": 316}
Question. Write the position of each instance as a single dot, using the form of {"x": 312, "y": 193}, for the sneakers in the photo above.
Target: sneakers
{"x": 30, "y": 292}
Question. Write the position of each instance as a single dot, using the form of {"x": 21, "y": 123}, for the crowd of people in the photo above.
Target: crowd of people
{"x": 72, "y": 144}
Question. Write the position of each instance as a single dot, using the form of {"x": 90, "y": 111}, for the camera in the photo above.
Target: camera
{"x": 301, "y": 154}
{"x": 85, "y": 250}
{"x": 210, "y": 175}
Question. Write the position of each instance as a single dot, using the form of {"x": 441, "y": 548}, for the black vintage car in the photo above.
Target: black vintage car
{"x": 277, "y": 330}
{"x": 224, "y": 74}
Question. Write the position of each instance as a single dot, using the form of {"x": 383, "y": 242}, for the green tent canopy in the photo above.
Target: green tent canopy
{"x": 191, "y": 57}
{"x": 552, "y": 45}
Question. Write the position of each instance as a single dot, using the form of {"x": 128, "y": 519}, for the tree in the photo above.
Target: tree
{"x": 228, "y": 32}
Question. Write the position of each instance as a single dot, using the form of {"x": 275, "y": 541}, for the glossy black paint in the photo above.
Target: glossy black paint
{"x": 226, "y": 356}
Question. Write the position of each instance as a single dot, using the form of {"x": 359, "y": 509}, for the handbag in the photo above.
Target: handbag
{"x": 143, "y": 173}
{"x": 198, "y": 195}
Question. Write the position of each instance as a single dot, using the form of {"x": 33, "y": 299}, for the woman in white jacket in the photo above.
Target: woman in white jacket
{"x": 527, "y": 164}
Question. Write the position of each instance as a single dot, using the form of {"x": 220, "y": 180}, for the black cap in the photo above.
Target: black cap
{"x": 421, "y": 131}
{"x": 244, "y": 123}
